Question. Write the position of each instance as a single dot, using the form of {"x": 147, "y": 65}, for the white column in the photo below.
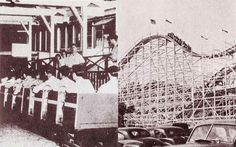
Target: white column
{"x": 93, "y": 35}
{"x": 35, "y": 41}
{"x": 52, "y": 37}
{"x": 84, "y": 28}
{"x": 58, "y": 39}
{"x": 73, "y": 34}
{"x": 40, "y": 40}
{"x": 30, "y": 40}
{"x": 46, "y": 40}
{"x": 66, "y": 37}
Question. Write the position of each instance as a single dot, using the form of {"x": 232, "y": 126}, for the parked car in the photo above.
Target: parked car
{"x": 170, "y": 134}
{"x": 185, "y": 126}
{"x": 137, "y": 137}
{"x": 213, "y": 134}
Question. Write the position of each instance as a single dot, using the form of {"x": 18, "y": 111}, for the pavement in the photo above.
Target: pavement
{"x": 13, "y": 136}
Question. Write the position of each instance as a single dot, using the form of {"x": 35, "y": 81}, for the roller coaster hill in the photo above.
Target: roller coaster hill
{"x": 32, "y": 33}
{"x": 166, "y": 82}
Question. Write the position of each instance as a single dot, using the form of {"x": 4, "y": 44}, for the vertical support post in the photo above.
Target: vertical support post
{"x": 31, "y": 103}
{"x": 66, "y": 38}
{"x": 93, "y": 35}
{"x": 22, "y": 100}
{"x": 58, "y": 39}
{"x": 44, "y": 103}
{"x": 52, "y": 46}
{"x": 183, "y": 79}
{"x": 35, "y": 41}
{"x": 158, "y": 80}
{"x": 46, "y": 40}
{"x": 84, "y": 28}
{"x": 166, "y": 80}
{"x": 76, "y": 123}
{"x": 73, "y": 34}
{"x": 40, "y": 40}
{"x": 103, "y": 38}
{"x": 5, "y": 96}
{"x": 150, "y": 121}
{"x": 175, "y": 78}
{"x": 193, "y": 79}
{"x": 59, "y": 106}
{"x": 30, "y": 39}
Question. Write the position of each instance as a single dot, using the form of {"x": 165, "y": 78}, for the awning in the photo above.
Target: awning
{"x": 103, "y": 21}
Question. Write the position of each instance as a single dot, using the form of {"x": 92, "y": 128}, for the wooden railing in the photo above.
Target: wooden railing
{"x": 94, "y": 71}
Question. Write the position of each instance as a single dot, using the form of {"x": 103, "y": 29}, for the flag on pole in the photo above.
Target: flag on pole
{"x": 168, "y": 21}
{"x": 153, "y": 21}
{"x": 225, "y": 31}
{"x": 204, "y": 37}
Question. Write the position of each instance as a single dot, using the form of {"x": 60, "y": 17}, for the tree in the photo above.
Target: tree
{"x": 123, "y": 109}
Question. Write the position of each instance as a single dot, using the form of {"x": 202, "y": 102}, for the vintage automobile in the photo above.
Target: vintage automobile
{"x": 137, "y": 137}
{"x": 185, "y": 126}
{"x": 170, "y": 134}
{"x": 213, "y": 134}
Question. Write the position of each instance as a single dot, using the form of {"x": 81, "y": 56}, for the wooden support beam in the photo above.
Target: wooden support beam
{"x": 46, "y": 23}
{"x": 52, "y": 3}
{"x": 76, "y": 13}
{"x": 16, "y": 11}
{"x": 84, "y": 28}
{"x": 66, "y": 37}
{"x": 52, "y": 45}
{"x": 23, "y": 25}
{"x": 58, "y": 39}
{"x": 93, "y": 36}
{"x": 30, "y": 39}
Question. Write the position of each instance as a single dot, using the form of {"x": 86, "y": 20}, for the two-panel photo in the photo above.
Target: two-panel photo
{"x": 117, "y": 73}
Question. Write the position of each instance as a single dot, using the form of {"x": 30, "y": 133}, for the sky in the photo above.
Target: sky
{"x": 190, "y": 19}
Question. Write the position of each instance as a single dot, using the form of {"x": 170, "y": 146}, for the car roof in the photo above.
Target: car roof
{"x": 165, "y": 127}
{"x": 225, "y": 122}
{"x": 130, "y": 128}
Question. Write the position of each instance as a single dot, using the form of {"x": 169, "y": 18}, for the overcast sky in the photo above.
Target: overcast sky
{"x": 190, "y": 19}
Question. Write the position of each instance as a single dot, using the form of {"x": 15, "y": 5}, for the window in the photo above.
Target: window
{"x": 222, "y": 132}
{"x": 200, "y": 132}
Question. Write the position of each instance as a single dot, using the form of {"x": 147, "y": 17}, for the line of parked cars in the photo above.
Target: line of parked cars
{"x": 207, "y": 134}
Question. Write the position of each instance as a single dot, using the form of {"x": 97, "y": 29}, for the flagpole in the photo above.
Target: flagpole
{"x": 153, "y": 23}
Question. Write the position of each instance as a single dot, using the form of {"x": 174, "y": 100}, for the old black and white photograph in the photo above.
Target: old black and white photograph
{"x": 117, "y": 73}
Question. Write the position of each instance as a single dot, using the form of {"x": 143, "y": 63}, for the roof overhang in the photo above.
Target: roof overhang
{"x": 15, "y": 20}
{"x": 103, "y": 21}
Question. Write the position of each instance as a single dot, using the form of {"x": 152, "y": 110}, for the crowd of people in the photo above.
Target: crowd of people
{"x": 70, "y": 74}
{"x": 71, "y": 77}
{"x": 73, "y": 80}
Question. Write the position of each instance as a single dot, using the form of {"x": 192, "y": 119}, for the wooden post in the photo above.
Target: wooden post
{"x": 52, "y": 46}
{"x": 73, "y": 34}
{"x": 40, "y": 40}
{"x": 44, "y": 103}
{"x": 46, "y": 40}
{"x": 58, "y": 39}
{"x": 60, "y": 103}
{"x": 30, "y": 40}
{"x": 93, "y": 35}
{"x": 84, "y": 28}
{"x": 66, "y": 38}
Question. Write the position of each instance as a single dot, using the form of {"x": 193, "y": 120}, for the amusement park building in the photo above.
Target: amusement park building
{"x": 38, "y": 30}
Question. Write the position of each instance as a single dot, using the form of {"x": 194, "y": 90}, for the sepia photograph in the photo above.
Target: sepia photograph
{"x": 177, "y": 72}
{"x": 117, "y": 73}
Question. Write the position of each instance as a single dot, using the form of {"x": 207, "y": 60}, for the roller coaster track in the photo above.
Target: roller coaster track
{"x": 192, "y": 108}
